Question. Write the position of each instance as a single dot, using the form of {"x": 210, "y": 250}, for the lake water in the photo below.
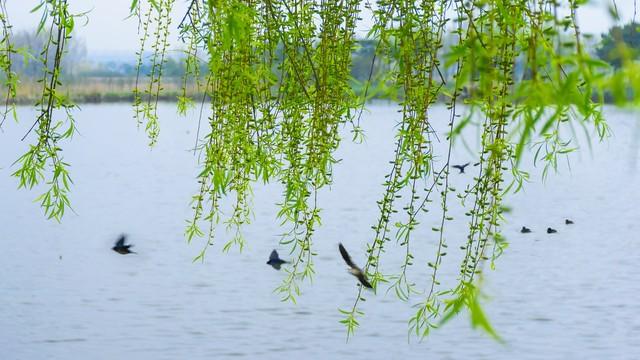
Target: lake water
{"x": 64, "y": 294}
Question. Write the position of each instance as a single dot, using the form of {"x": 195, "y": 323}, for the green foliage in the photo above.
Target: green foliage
{"x": 619, "y": 47}
{"x": 281, "y": 82}
{"x": 146, "y": 104}
{"x": 45, "y": 155}
{"x": 620, "y": 44}
{"x": 6, "y": 50}
{"x": 469, "y": 297}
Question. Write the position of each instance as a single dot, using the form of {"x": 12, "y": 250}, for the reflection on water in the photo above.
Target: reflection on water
{"x": 65, "y": 294}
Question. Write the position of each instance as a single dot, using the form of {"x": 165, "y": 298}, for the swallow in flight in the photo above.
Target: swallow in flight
{"x": 121, "y": 248}
{"x": 353, "y": 268}
{"x": 461, "y": 167}
{"x": 275, "y": 261}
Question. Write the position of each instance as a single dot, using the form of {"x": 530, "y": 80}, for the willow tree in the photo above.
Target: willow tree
{"x": 279, "y": 92}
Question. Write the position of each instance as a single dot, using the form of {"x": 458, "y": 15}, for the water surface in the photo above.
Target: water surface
{"x": 66, "y": 295}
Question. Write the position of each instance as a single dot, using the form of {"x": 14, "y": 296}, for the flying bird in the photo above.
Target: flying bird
{"x": 121, "y": 248}
{"x": 275, "y": 261}
{"x": 461, "y": 167}
{"x": 525, "y": 230}
{"x": 568, "y": 222}
{"x": 551, "y": 230}
{"x": 353, "y": 268}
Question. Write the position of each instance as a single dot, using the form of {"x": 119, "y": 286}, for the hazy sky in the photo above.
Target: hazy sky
{"x": 107, "y": 31}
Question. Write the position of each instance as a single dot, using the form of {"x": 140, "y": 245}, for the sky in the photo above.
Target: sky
{"x": 108, "y": 32}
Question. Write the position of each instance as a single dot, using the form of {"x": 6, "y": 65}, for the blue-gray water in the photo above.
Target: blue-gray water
{"x": 64, "y": 294}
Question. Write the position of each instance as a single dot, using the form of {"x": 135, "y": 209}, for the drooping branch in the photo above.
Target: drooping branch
{"x": 276, "y": 79}
{"x": 45, "y": 154}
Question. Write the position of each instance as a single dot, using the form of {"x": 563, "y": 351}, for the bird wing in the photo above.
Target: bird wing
{"x": 276, "y": 266}
{"x": 274, "y": 256}
{"x": 461, "y": 167}
{"x": 363, "y": 280}
{"x": 120, "y": 241}
{"x": 346, "y": 257}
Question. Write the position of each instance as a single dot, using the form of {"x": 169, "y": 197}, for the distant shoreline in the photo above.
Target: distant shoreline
{"x": 93, "y": 90}
{"x": 98, "y": 90}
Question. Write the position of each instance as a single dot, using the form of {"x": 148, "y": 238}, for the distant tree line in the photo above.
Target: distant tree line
{"x": 77, "y": 63}
{"x": 618, "y": 44}
{"x": 26, "y": 63}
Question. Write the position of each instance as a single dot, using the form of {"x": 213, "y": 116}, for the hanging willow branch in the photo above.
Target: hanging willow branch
{"x": 280, "y": 91}
{"x": 146, "y": 104}
{"x": 46, "y": 154}
{"x": 276, "y": 77}
{"x": 10, "y": 77}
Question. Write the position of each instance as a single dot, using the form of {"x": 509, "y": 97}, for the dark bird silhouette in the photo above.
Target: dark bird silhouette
{"x": 476, "y": 164}
{"x": 551, "y": 231}
{"x": 461, "y": 167}
{"x": 275, "y": 261}
{"x": 568, "y": 222}
{"x": 121, "y": 248}
{"x": 353, "y": 268}
{"x": 525, "y": 230}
